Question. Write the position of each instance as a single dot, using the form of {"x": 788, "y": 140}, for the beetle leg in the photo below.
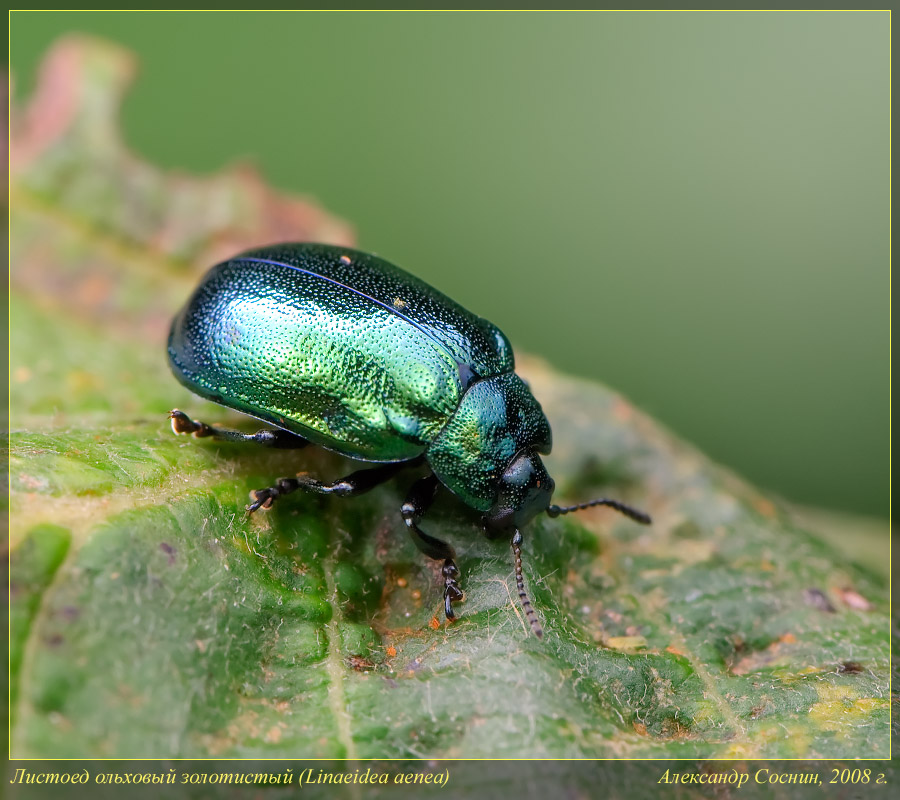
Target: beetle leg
{"x": 418, "y": 501}
{"x": 278, "y": 438}
{"x": 357, "y": 482}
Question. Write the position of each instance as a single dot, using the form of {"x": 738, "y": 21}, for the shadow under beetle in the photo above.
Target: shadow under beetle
{"x": 341, "y": 349}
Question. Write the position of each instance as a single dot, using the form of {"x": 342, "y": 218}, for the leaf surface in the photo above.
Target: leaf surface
{"x": 152, "y": 618}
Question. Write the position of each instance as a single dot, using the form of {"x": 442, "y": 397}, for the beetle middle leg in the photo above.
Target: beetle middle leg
{"x": 355, "y": 483}
{"x": 278, "y": 438}
{"x": 418, "y": 501}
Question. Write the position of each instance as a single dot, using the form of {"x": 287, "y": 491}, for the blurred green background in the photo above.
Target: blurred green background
{"x": 692, "y": 207}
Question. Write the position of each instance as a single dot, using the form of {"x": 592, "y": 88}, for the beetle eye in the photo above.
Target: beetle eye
{"x": 525, "y": 491}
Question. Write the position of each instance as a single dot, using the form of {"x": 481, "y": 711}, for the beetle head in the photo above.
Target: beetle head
{"x": 485, "y": 453}
{"x": 525, "y": 491}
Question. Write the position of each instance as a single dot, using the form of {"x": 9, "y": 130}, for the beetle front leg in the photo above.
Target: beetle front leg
{"x": 355, "y": 483}
{"x": 278, "y": 438}
{"x": 418, "y": 501}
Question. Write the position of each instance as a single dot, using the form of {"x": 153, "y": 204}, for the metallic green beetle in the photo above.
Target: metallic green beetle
{"x": 341, "y": 349}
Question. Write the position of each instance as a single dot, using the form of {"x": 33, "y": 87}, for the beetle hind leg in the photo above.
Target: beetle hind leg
{"x": 355, "y": 483}
{"x": 277, "y": 438}
{"x": 417, "y": 503}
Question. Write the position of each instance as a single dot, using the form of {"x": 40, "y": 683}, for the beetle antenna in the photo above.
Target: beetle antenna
{"x": 520, "y": 585}
{"x": 628, "y": 511}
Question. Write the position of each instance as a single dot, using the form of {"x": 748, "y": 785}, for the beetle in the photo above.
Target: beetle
{"x": 341, "y": 349}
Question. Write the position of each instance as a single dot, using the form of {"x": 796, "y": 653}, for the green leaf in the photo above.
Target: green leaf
{"x": 152, "y": 618}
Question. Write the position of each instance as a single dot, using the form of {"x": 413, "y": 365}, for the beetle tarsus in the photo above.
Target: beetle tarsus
{"x": 182, "y": 424}
{"x": 452, "y": 592}
{"x": 263, "y": 498}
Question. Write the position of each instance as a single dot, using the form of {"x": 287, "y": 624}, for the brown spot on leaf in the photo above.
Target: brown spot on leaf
{"x": 853, "y": 599}
{"x": 31, "y": 483}
{"x": 764, "y": 507}
{"x": 273, "y": 735}
{"x": 818, "y": 599}
{"x": 169, "y": 551}
{"x": 762, "y": 658}
{"x": 673, "y": 729}
{"x": 360, "y": 663}
{"x": 93, "y": 292}
{"x": 622, "y": 410}
{"x": 851, "y": 667}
